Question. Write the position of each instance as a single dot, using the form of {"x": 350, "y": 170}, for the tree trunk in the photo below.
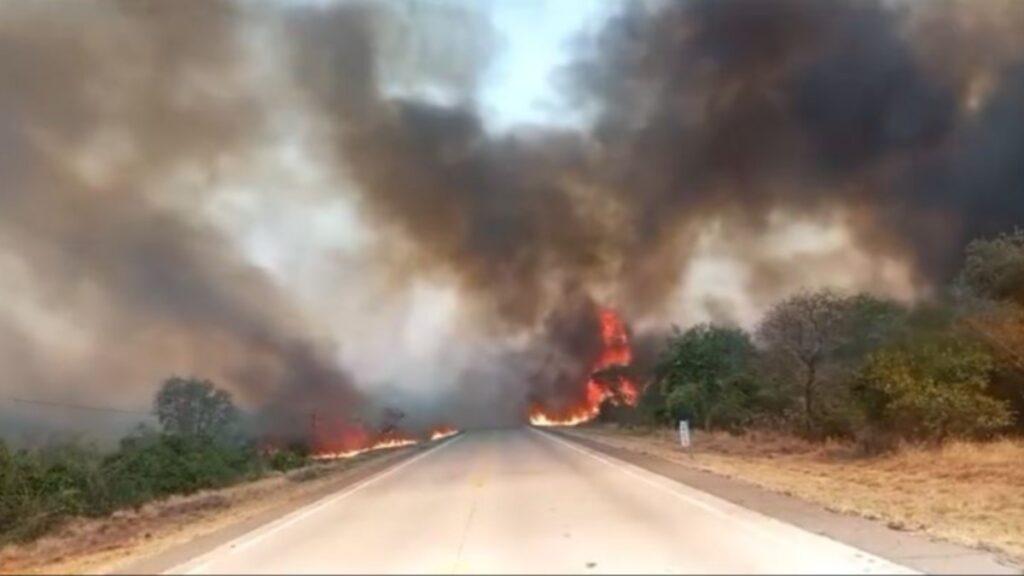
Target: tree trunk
{"x": 809, "y": 399}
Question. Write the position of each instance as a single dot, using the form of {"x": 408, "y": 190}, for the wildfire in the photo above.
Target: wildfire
{"x": 332, "y": 440}
{"x": 349, "y": 440}
{"x": 383, "y": 442}
{"x": 394, "y": 439}
{"x": 442, "y": 432}
{"x": 539, "y": 418}
{"x": 615, "y": 388}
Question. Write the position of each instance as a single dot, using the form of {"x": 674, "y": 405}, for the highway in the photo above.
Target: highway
{"x": 526, "y": 501}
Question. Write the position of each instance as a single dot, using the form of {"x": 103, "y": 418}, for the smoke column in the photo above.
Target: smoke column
{"x": 892, "y": 129}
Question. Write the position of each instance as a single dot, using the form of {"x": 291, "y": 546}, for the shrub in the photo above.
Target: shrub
{"x": 16, "y": 501}
{"x": 288, "y": 459}
{"x": 931, "y": 391}
{"x": 155, "y": 465}
{"x": 38, "y": 489}
{"x": 704, "y": 376}
{"x": 198, "y": 449}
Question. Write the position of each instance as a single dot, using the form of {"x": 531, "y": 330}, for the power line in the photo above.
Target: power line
{"x": 93, "y": 408}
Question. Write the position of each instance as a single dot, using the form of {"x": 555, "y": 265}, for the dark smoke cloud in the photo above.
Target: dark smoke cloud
{"x": 903, "y": 115}
{"x": 706, "y": 110}
{"x": 744, "y": 106}
{"x": 564, "y": 354}
{"x": 492, "y": 212}
{"x": 147, "y": 91}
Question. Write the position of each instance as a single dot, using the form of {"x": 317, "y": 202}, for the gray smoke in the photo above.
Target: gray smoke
{"x": 106, "y": 109}
{"x": 118, "y": 119}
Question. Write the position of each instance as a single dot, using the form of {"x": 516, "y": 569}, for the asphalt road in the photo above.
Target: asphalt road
{"x": 524, "y": 501}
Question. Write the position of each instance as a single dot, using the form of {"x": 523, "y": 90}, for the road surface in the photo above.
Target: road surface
{"x": 525, "y": 501}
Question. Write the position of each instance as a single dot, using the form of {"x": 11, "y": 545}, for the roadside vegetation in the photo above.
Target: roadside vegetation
{"x": 908, "y": 414}
{"x": 854, "y": 367}
{"x": 200, "y": 444}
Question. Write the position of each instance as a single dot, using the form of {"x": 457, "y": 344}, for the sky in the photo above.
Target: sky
{"x": 536, "y": 38}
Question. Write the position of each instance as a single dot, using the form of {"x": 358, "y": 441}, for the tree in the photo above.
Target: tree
{"x": 932, "y": 390}
{"x": 868, "y": 324}
{"x": 802, "y": 334}
{"x": 991, "y": 304}
{"x": 994, "y": 268}
{"x": 194, "y": 407}
{"x": 704, "y": 375}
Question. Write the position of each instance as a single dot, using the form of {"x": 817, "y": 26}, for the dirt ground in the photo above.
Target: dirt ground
{"x": 967, "y": 493}
{"x": 98, "y": 545}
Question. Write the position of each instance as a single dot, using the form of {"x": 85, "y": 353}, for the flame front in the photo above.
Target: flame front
{"x": 347, "y": 440}
{"x": 443, "y": 431}
{"x": 617, "y": 389}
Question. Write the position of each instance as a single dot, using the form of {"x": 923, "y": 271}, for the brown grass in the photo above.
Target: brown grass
{"x": 963, "y": 492}
{"x": 97, "y": 545}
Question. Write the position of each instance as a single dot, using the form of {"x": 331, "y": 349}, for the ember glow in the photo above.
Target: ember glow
{"x": 606, "y": 383}
{"x": 394, "y": 440}
{"x": 331, "y": 440}
{"x": 349, "y": 440}
{"x": 540, "y": 418}
{"x": 391, "y": 439}
{"x": 443, "y": 431}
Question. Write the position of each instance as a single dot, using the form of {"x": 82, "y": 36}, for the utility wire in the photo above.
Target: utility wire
{"x": 51, "y": 404}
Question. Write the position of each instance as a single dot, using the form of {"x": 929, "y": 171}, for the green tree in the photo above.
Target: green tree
{"x": 801, "y": 337}
{"x": 932, "y": 390}
{"x": 991, "y": 304}
{"x": 868, "y": 323}
{"x": 194, "y": 407}
{"x": 704, "y": 375}
{"x": 994, "y": 268}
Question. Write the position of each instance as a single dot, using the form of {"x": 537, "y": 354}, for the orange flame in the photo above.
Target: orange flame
{"x": 443, "y": 431}
{"x": 393, "y": 440}
{"x": 615, "y": 352}
{"x": 348, "y": 440}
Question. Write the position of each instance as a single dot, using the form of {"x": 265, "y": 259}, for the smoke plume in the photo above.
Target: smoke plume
{"x": 894, "y": 126}
{"x": 707, "y": 110}
{"x": 108, "y": 110}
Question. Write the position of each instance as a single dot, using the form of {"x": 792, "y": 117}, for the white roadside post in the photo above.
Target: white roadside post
{"x": 684, "y": 434}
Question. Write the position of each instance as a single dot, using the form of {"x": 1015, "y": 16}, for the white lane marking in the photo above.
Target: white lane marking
{"x": 747, "y": 524}
{"x": 626, "y": 468}
{"x": 196, "y": 565}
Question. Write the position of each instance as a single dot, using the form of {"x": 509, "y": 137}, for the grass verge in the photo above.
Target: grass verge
{"x": 98, "y": 545}
{"x": 964, "y": 492}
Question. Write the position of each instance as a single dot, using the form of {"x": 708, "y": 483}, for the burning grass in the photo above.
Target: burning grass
{"x": 964, "y": 492}
{"x": 384, "y": 443}
{"x": 344, "y": 441}
{"x": 442, "y": 432}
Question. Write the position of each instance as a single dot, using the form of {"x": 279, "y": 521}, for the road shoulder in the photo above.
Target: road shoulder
{"x": 915, "y": 551}
{"x": 205, "y": 543}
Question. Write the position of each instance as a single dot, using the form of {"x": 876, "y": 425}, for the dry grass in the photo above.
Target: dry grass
{"x": 968, "y": 493}
{"x": 98, "y": 545}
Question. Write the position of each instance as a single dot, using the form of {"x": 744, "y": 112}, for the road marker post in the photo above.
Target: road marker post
{"x": 684, "y": 436}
